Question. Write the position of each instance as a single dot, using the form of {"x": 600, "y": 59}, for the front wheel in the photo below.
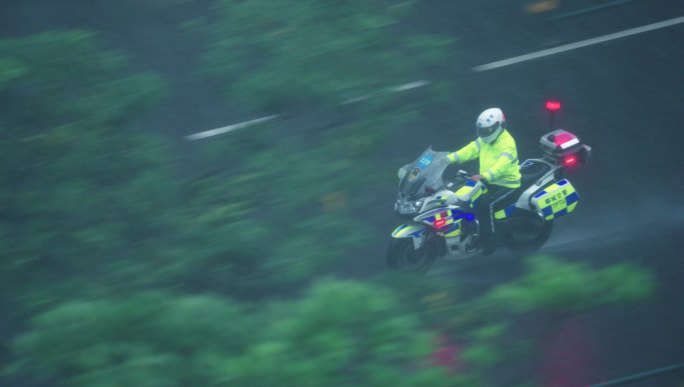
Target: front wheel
{"x": 401, "y": 255}
{"x": 528, "y": 233}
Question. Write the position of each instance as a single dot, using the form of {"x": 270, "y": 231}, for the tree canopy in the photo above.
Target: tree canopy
{"x": 339, "y": 333}
{"x": 295, "y": 54}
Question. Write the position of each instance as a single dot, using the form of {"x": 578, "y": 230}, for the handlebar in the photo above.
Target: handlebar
{"x": 466, "y": 175}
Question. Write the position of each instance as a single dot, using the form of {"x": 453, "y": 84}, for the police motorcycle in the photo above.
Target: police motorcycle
{"x": 439, "y": 212}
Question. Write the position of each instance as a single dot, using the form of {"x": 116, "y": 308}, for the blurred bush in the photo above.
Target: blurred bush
{"x": 339, "y": 333}
{"x": 84, "y": 198}
{"x": 291, "y": 54}
{"x": 302, "y": 58}
{"x": 93, "y": 208}
{"x": 552, "y": 284}
{"x": 68, "y": 78}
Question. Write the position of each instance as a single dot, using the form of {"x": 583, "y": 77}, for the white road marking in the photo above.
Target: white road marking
{"x": 241, "y": 125}
{"x": 396, "y": 89}
{"x": 409, "y": 86}
{"x": 580, "y": 44}
{"x": 357, "y": 99}
{"x": 229, "y": 128}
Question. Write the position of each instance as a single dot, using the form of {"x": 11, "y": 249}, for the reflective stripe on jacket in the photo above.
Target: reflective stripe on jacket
{"x": 498, "y": 160}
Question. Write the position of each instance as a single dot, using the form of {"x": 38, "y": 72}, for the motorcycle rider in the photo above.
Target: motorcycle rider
{"x": 498, "y": 168}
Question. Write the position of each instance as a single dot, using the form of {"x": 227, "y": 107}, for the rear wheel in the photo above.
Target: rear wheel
{"x": 527, "y": 232}
{"x": 401, "y": 255}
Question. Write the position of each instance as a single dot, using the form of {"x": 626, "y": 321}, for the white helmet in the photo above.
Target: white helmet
{"x": 490, "y": 124}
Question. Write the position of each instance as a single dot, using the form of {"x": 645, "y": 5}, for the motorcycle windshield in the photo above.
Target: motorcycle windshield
{"x": 424, "y": 175}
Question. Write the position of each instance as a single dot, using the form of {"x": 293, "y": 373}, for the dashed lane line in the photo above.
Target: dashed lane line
{"x": 580, "y": 44}
{"x": 245, "y": 124}
{"x": 229, "y": 128}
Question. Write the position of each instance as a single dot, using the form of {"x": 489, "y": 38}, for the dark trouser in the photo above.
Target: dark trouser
{"x": 483, "y": 209}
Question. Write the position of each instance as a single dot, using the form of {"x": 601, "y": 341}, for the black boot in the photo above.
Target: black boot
{"x": 489, "y": 245}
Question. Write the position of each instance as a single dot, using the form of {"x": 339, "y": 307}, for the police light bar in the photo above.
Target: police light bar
{"x": 559, "y": 140}
{"x": 553, "y": 105}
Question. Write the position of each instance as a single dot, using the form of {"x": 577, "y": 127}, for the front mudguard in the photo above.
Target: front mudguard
{"x": 411, "y": 230}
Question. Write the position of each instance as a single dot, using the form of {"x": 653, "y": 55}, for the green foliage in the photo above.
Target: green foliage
{"x": 68, "y": 77}
{"x": 285, "y": 58}
{"x": 549, "y": 285}
{"x": 489, "y": 332}
{"x": 555, "y": 285}
{"x": 481, "y": 355}
{"x": 82, "y": 196}
{"x": 10, "y": 69}
{"x": 158, "y": 338}
{"x": 483, "y": 347}
{"x": 435, "y": 298}
{"x": 87, "y": 196}
{"x": 266, "y": 218}
{"x": 312, "y": 53}
{"x": 340, "y": 333}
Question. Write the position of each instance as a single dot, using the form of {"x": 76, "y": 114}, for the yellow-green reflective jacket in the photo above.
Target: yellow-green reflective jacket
{"x": 498, "y": 160}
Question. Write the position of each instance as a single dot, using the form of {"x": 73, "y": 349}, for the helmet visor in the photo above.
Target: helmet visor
{"x": 487, "y": 131}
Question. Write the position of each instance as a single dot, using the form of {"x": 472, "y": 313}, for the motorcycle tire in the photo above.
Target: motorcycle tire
{"x": 528, "y": 234}
{"x": 401, "y": 255}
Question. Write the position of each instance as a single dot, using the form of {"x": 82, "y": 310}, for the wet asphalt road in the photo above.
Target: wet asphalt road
{"x": 624, "y": 98}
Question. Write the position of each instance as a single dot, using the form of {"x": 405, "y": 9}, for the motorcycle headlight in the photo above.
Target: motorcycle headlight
{"x": 401, "y": 173}
{"x": 406, "y": 208}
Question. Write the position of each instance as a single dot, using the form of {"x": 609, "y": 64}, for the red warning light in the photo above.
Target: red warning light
{"x": 570, "y": 161}
{"x": 553, "y": 105}
{"x": 563, "y": 138}
{"x": 439, "y": 223}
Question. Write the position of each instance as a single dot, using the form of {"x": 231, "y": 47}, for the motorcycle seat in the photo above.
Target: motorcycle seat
{"x": 530, "y": 171}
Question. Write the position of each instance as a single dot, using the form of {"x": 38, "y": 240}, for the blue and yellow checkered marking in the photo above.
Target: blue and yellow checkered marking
{"x": 453, "y": 230}
{"x": 408, "y": 230}
{"x": 452, "y": 225}
{"x": 469, "y": 191}
{"x": 556, "y": 200}
{"x": 464, "y": 191}
{"x": 505, "y": 212}
{"x": 438, "y": 214}
{"x": 539, "y": 194}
